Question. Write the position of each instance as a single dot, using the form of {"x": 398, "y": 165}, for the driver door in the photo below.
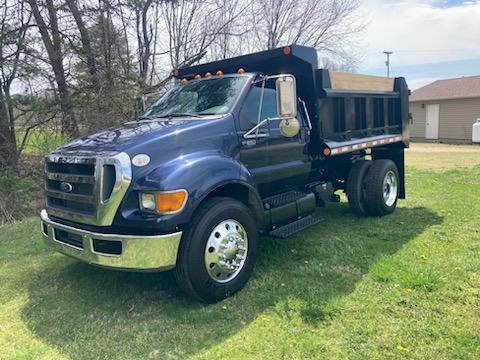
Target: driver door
{"x": 278, "y": 163}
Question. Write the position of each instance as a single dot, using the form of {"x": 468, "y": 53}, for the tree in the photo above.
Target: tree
{"x": 49, "y": 30}
{"x": 192, "y": 26}
{"x": 326, "y": 25}
{"x": 86, "y": 51}
{"x": 146, "y": 30}
{"x": 233, "y": 39}
{"x": 115, "y": 91}
{"x": 14, "y": 23}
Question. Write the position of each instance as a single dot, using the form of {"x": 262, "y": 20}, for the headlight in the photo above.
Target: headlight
{"x": 164, "y": 202}
{"x": 147, "y": 201}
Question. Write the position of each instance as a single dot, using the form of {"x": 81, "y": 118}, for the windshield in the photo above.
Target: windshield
{"x": 201, "y": 97}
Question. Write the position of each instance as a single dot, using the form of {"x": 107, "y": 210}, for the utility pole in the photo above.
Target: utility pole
{"x": 388, "y": 53}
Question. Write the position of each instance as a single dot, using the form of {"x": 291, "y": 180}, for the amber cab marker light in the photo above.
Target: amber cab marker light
{"x": 197, "y": 77}
{"x": 208, "y": 74}
{"x": 219, "y": 73}
{"x": 287, "y": 50}
{"x": 326, "y": 151}
{"x": 241, "y": 71}
{"x": 170, "y": 202}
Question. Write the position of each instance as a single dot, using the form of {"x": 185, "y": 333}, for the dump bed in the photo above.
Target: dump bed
{"x": 356, "y": 111}
{"x": 347, "y": 111}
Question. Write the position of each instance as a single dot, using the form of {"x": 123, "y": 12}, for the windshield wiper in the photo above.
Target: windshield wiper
{"x": 147, "y": 117}
{"x": 163, "y": 116}
{"x": 181, "y": 115}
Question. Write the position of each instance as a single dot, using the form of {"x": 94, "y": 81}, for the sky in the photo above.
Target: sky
{"x": 430, "y": 39}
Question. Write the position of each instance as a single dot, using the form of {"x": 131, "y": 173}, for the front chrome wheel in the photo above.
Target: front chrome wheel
{"x": 226, "y": 251}
{"x": 390, "y": 188}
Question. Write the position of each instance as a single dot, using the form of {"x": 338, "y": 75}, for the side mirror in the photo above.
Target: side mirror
{"x": 286, "y": 97}
{"x": 289, "y": 127}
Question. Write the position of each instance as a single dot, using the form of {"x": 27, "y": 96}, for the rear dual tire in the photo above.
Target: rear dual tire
{"x": 356, "y": 186}
{"x": 372, "y": 187}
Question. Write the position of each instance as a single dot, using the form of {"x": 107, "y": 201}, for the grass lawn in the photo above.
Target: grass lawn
{"x": 403, "y": 286}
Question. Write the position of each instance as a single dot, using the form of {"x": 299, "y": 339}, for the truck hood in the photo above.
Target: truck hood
{"x": 132, "y": 135}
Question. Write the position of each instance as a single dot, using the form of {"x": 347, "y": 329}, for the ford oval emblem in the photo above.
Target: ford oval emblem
{"x": 66, "y": 187}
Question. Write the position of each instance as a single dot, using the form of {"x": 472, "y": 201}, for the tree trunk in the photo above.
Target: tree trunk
{"x": 53, "y": 45}
{"x": 8, "y": 145}
{"x": 87, "y": 49}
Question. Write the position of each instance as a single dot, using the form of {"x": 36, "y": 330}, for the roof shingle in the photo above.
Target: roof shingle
{"x": 464, "y": 87}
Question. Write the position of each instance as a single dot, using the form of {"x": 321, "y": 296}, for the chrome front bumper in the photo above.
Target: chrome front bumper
{"x": 132, "y": 252}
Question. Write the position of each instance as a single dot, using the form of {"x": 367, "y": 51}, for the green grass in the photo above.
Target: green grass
{"x": 41, "y": 142}
{"x": 403, "y": 286}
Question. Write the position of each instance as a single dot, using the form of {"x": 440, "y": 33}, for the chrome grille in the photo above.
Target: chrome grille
{"x": 86, "y": 189}
{"x": 78, "y": 178}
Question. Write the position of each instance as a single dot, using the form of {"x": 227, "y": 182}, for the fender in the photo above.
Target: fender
{"x": 200, "y": 174}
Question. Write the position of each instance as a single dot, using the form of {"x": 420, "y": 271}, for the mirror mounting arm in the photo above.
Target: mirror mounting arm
{"x": 264, "y": 81}
{"x": 306, "y": 114}
{"x": 253, "y": 132}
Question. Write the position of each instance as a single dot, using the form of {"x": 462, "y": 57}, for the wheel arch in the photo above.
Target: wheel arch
{"x": 212, "y": 175}
{"x": 243, "y": 192}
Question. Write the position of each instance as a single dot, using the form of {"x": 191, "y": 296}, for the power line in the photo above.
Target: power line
{"x": 434, "y": 50}
{"x": 426, "y": 50}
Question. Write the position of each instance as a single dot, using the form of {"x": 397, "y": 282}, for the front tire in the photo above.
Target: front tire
{"x": 382, "y": 188}
{"x": 218, "y": 250}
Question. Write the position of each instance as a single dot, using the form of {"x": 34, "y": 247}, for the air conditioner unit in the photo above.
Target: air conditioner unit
{"x": 476, "y": 132}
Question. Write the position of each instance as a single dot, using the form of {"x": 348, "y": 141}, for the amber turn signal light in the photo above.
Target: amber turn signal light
{"x": 170, "y": 202}
{"x": 326, "y": 151}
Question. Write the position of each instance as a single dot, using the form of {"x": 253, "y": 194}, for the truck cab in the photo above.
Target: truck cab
{"x": 239, "y": 147}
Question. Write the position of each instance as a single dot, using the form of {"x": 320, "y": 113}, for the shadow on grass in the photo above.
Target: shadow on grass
{"x": 86, "y": 312}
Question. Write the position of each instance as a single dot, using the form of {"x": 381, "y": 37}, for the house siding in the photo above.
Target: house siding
{"x": 456, "y": 118}
{"x": 417, "y": 128}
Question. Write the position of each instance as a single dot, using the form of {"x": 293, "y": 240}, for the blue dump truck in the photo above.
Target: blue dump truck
{"x": 239, "y": 147}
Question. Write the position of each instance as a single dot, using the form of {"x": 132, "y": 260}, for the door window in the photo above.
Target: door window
{"x": 249, "y": 113}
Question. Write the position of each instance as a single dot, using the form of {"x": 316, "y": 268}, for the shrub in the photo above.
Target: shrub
{"x": 19, "y": 196}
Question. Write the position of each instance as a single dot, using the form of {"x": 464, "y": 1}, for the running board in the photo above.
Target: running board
{"x": 294, "y": 227}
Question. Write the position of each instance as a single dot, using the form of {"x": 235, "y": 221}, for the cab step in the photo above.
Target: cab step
{"x": 282, "y": 199}
{"x": 294, "y": 227}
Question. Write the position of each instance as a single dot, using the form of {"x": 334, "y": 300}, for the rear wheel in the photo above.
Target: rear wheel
{"x": 381, "y": 185}
{"x": 356, "y": 186}
{"x": 217, "y": 252}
